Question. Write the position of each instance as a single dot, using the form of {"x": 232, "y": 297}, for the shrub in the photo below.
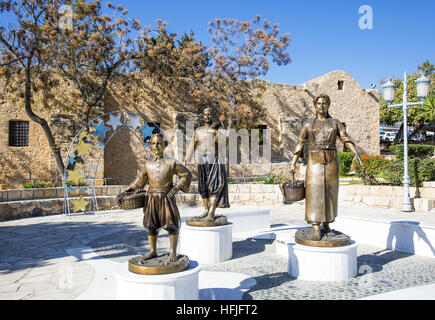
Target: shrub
{"x": 394, "y": 173}
{"x": 37, "y": 185}
{"x": 345, "y": 162}
{"x": 373, "y": 165}
{"x": 73, "y": 184}
{"x": 418, "y": 170}
{"x": 271, "y": 179}
{"x": 415, "y": 151}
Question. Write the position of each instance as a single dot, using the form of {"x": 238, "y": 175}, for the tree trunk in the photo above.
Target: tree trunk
{"x": 230, "y": 124}
{"x": 398, "y": 135}
{"x": 417, "y": 129}
{"x": 41, "y": 121}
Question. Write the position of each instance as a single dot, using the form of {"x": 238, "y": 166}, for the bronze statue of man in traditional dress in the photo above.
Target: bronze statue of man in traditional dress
{"x": 322, "y": 173}
{"x": 212, "y": 179}
{"x": 160, "y": 210}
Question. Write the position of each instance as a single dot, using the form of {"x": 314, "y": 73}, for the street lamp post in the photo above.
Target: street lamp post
{"x": 422, "y": 90}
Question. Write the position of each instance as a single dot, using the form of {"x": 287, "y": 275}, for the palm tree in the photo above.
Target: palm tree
{"x": 426, "y": 114}
{"x": 428, "y": 110}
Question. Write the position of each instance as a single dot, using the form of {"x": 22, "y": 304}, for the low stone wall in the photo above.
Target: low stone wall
{"x": 277, "y": 169}
{"x": 53, "y": 193}
{"x": 45, "y": 207}
{"x": 422, "y": 199}
{"x": 23, "y": 203}
{"x": 41, "y": 202}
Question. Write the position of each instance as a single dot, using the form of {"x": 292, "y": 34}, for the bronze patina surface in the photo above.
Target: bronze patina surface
{"x": 160, "y": 208}
{"x": 157, "y": 265}
{"x": 203, "y": 222}
{"x": 331, "y": 239}
{"x": 322, "y": 173}
{"x": 212, "y": 179}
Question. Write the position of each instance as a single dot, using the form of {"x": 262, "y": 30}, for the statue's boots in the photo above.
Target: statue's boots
{"x": 317, "y": 234}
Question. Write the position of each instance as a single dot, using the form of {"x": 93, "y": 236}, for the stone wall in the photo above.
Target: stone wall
{"x": 36, "y": 160}
{"x": 288, "y": 105}
{"x": 39, "y": 202}
{"x": 285, "y": 105}
{"x": 422, "y": 199}
{"x": 18, "y": 163}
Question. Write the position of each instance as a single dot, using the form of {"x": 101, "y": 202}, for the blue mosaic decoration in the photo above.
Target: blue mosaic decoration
{"x": 101, "y": 129}
{"x": 115, "y": 121}
{"x": 87, "y": 139}
{"x": 134, "y": 123}
{"x": 100, "y": 144}
{"x": 147, "y": 131}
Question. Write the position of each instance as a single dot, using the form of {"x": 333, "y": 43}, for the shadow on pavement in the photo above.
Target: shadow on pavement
{"x": 249, "y": 246}
{"x": 268, "y": 281}
{"x": 29, "y": 246}
{"x": 375, "y": 261}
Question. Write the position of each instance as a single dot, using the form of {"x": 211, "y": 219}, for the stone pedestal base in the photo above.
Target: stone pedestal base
{"x": 208, "y": 245}
{"x": 157, "y": 265}
{"x": 283, "y": 239}
{"x": 322, "y": 263}
{"x": 175, "y": 286}
{"x": 202, "y": 222}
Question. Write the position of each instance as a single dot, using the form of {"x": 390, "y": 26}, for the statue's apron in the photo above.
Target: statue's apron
{"x": 321, "y": 180}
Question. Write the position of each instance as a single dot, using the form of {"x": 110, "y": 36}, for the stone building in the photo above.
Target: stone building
{"x": 24, "y": 148}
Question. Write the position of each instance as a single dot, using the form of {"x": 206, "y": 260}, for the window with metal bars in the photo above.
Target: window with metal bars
{"x": 261, "y": 136}
{"x": 18, "y": 133}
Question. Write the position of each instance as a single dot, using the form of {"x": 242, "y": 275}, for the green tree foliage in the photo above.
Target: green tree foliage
{"x": 345, "y": 162}
{"x": 426, "y": 68}
{"x": 415, "y": 114}
{"x": 428, "y": 110}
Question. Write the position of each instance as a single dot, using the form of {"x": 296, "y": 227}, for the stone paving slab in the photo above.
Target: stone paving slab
{"x": 35, "y": 265}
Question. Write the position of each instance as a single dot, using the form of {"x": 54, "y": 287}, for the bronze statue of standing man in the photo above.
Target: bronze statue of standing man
{"x": 160, "y": 210}
{"x": 322, "y": 173}
{"x": 212, "y": 179}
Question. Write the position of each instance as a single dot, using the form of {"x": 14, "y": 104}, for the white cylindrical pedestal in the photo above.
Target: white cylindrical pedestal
{"x": 322, "y": 263}
{"x": 208, "y": 245}
{"x": 175, "y": 286}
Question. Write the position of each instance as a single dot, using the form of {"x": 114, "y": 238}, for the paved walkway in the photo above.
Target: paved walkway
{"x": 34, "y": 263}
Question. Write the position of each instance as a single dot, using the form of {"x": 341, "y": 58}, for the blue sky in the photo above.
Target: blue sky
{"x": 325, "y": 35}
